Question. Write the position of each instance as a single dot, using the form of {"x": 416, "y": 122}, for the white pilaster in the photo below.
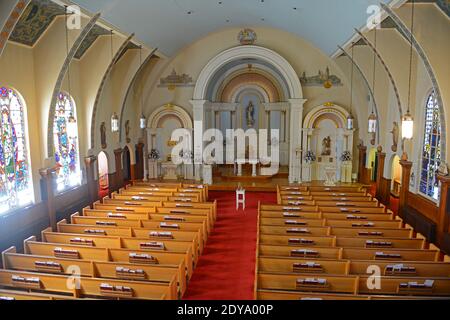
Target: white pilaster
{"x": 199, "y": 129}
{"x": 295, "y": 145}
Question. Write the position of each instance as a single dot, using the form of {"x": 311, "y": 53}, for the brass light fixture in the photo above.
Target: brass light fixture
{"x": 407, "y": 119}
{"x": 373, "y": 120}
{"x": 350, "y": 118}
{"x": 142, "y": 120}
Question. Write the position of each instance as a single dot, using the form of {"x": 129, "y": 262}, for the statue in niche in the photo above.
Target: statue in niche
{"x": 395, "y": 132}
{"x": 103, "y": 135}
{"x": 250, "y": 111}
{"x": 326, "y": 146}
{"x": 127, "y": 131}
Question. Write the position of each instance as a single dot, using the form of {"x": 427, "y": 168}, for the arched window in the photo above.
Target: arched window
{"x": 431, "y": 153}
{"x": 65, "y": 133}
{"x": 16, "y": 188}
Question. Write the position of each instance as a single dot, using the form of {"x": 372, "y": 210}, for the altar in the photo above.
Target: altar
{"x": 169, "y": 171}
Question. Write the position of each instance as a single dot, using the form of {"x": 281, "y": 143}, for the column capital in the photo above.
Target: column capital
{"x": 297, "y": 103}
{"x": 198, "y": 103}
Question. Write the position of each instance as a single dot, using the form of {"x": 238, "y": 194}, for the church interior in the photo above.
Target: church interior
{"x": 135, "y": 142}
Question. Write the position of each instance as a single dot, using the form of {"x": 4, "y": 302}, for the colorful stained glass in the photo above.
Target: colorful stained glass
{"x": 15, "y": 179}
{"x": 66, "y": 146}
{"x": 431, "y": 153}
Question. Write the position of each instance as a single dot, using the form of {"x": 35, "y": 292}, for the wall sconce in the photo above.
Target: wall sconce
{"x": 115, "y": 123}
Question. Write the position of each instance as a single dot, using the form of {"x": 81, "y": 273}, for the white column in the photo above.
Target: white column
{"x": 295, "y": 144}
{"x": 239, "y": 169}
{"x": 199, "y": 129}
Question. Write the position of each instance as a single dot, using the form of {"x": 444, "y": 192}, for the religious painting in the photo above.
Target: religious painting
{"x": 175, "y": 80}
{"x": 324, "y": 79}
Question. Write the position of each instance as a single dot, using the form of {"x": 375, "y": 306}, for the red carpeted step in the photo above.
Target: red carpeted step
{"x": 226, "y": 270}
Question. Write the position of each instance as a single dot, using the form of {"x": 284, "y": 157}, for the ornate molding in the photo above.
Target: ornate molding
{"x": 102, "y": 86}
{"x": 11, "y": 23}
{"x": 62, "y": 74}
{"x": 406, "y": 33}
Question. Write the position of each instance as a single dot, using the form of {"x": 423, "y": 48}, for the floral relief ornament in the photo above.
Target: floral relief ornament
{"x": 247, "y": 37}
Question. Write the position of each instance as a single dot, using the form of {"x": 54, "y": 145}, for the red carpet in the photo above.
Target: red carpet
{"x": 226, "y": 270}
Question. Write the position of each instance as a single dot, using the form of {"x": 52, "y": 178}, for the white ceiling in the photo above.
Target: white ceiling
{"x": 166, "y": 24}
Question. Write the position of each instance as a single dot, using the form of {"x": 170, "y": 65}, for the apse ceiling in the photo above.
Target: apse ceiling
{"x": 172, "y": 24}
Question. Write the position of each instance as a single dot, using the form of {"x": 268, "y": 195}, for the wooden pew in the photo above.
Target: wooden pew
{"x": 390, "y": 254}
{"x": 354, "y": 210}
{"x": 298, "y": 240}
{"x": 348, "y": 204}
{"x": 94, "y": 269}
{"x": 384, "y": 224}
{"x": 302, "y": 266}
{"x": 409, "y": 286}
{"x": 295, "y": 230}
{"x": 76, "y": 253}
{"x": 358, "y": 217}
{"x": 292, "y": 222}
{"x": 143, "y": 233}
{"x": 12, "y": 295}
{"x": 186, "y": 248}
{"x": 353, "y": 267}
{"x": 290, "y": 215}
{"x": 301, "y": 252}
{"x": 377, "y": 232}
{"x": 337, "y": 189}
{"x": 160, "y": 226}
{"x": 295, "y": 208}
{"x": 324, "y": 283}
{"x": 340, "y": 194}
{"x": 167, "y": 218}
{"x": 87, "y": 287}
{"x": 138, "y": 197}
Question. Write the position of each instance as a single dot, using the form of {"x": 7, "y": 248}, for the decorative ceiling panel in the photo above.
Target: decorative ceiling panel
{"x": 35, "y": 20}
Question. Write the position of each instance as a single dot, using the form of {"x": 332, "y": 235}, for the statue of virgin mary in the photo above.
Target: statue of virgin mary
{"x": 250, "y": 111}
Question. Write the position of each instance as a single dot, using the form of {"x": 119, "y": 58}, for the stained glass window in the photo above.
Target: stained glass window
{"x": 431, "y": 153}
{"x": 16, "y": 188}
{"x": 65, "y": 135}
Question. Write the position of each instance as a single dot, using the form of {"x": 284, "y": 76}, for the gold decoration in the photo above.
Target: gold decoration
{"x": 171, "y": 143}
{"x": 328, "y": 104}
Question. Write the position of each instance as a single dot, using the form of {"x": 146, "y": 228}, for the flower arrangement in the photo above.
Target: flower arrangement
{"x": 310, "y": 157}
{"x": 154, "y": 154}
{"x": 346, "y": 156}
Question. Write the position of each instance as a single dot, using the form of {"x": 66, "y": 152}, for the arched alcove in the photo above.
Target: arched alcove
{"x": 103, "y": 174}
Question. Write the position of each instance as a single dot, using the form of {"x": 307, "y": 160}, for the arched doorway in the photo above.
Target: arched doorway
{"x": 396, "y": 176}
{"x": 126, "y": 165}
{"x": 326, "y": 138}
{"x": 372, "y": 164}
{"x": 103, "y": 174}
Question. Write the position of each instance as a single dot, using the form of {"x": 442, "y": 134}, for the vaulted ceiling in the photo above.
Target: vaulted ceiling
{"x": 173, "y": 24}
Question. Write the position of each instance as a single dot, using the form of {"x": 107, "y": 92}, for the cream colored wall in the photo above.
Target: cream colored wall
{"x": 49, "y": 54}
{"x": 299, "y": 53}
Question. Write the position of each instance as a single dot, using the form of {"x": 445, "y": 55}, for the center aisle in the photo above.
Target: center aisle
{"x": 226, "y": 270}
